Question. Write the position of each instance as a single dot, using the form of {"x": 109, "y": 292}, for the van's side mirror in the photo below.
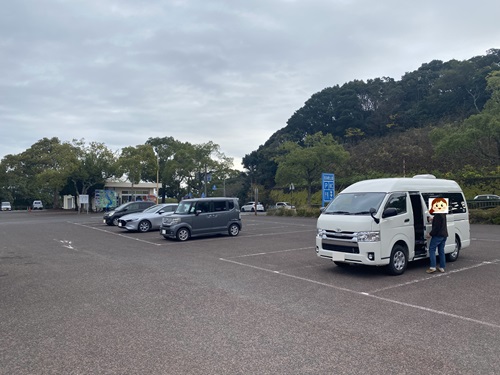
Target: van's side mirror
{"x": 388, "y": 212}
{"x": 197, "y": 212}
{"x": 322, "y": 209}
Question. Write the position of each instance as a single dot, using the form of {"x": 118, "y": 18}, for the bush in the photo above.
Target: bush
{"x": 485, "y": 216}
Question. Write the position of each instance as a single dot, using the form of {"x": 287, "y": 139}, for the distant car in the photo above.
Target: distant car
{"x": 250, "y": 206}
{"x": 112, "y": 217}
{"x": 149, "y": 219}
{"x": 6, "y": 206}
{"x": 37, "y": 205}
{"x": 486, "y": 197}
{"x": 284, "y": 205}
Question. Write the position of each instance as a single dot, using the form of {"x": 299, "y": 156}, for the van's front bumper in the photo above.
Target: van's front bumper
{"x": 350, "y": 251}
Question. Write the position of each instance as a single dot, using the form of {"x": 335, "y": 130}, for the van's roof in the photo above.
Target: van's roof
{"x": 208, "y": 199}
{"x": 387, "y": 185}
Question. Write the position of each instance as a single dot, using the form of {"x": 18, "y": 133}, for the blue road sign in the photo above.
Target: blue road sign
{"x": 328, "y": 184}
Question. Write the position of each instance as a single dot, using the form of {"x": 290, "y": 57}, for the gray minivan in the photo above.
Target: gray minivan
{"x": 203, "y": 216}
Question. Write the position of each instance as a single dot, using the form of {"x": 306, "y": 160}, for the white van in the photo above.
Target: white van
{"x": 384, "y": 222}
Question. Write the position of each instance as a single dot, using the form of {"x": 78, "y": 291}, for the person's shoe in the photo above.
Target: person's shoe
{"x": 441, "y": 269}
{"x": 431, "y": 270}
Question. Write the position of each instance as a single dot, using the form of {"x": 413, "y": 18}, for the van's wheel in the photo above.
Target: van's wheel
{"x": 451, "y": 257}
{"x": 234, "y": 230}
{"x": 144, "y": 226}
{"x": 183, "y": 234}
{"x": 115, "y": 221}
{"x": 399, "y": 260}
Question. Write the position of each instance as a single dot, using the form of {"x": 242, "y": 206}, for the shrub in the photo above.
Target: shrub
{"x": 485, "y": 216}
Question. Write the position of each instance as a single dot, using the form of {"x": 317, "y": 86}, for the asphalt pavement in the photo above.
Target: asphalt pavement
{"x": 80, "y": 297}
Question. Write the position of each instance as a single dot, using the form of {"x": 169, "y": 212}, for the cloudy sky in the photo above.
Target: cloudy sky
{"x": 228, "y": 71}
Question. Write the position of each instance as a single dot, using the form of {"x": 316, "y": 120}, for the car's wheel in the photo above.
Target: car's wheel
{"x": 115, "y": 221}
{"x": 234, "y": 230}
{"x": 451, "y": 257}
{"x": 144, "y": 226}
{"x": 183, "y": 234}
{"x": 399, "y": 260}
{"x": 252, "y": 210}
{"x": 242, "y": 209}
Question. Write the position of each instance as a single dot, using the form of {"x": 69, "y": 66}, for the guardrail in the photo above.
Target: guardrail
{"x": 476, "y": 204}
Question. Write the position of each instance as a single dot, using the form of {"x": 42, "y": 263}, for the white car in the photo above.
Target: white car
{"x": 149, "y": 219}
{"x": 284, "y": 205}
{"x": 250, "y": 207}
{"x": 37, "y": 205}
{"x": 6, "y": 206}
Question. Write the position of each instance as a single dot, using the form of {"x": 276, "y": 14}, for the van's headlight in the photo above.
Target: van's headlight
{"x": 170, "y": 221}
{"x": 368, "y": 236}
{"x": 321, "y": 233}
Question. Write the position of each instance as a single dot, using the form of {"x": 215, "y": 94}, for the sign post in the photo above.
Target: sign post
{"x": 328, "y": 188}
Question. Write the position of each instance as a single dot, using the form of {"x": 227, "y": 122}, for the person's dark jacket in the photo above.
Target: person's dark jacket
{"x": 439, "y": 226}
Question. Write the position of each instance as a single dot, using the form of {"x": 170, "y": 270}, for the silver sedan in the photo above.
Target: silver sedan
{"x": 149, "y": 219}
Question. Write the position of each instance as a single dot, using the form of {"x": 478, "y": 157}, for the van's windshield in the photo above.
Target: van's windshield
{"x": 354, "y": 203}
{"x": 185, "y": 208}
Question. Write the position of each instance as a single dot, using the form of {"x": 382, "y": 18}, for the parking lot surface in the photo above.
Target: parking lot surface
{"x": 80, "y": 297}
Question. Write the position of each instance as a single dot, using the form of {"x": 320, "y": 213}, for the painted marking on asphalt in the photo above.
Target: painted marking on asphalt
{"x": 66, "y": 244}
{"x": 365, "y": 294}
{"x": 118, "y": 234}
{"x": 271, "y": 252}
{"x": 433, "y": 276}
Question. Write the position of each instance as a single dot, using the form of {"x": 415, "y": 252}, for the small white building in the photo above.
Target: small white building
{"x": 116, "y": 193}
{"x": 128, "y": 192}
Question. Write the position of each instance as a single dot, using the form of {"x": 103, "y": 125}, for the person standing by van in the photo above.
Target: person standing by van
{"x": 438, "y": 235}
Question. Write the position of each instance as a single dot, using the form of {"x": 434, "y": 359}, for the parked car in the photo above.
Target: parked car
{"x": 149, "y": 219}
{"x": 111, "y": 217}
{"x": 485, "y": 197}
{"x": 202, "y": 216}
{"x": 37, "y": 205}
{"x": 6, "y": 206}
{"x": 250, "y": 206}
{"x": 284, "y": 205}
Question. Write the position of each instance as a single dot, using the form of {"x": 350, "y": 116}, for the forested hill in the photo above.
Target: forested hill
{"x": 436, "y": 93}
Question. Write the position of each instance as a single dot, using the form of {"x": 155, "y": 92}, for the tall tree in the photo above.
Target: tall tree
{"x": 479, "y": 135}
{"x": 303, "y": 164}
{"x": 95, "y": 164}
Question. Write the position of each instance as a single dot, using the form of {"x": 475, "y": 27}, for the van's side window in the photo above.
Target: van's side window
{"x": 456, "y": 201}
{"x": 203, "y": 206}
{"x": 219, "y": 206}
{"x": 231, "y": 204}
{"x": 397, "y": 201}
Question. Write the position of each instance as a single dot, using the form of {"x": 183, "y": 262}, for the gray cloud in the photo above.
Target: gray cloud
{"x": 231, "y": 72}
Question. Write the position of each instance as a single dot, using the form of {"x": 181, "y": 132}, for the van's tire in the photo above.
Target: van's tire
{"x": 144, "y": 226}
{"x": 183, "y": 234}
{"x": 398, "y": 261}
{"x": 451, "y": 257}
{"x": 233, "y": 230}
{"x": 115, "y": 221}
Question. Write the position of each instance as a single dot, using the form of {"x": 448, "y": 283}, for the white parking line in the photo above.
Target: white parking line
{"x": 447, "y": 273}
{"x": 366, "y": 294}
{"x": 118, "y": 234}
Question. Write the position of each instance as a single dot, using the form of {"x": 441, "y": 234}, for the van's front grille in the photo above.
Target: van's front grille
{"x": 344, "y": 242}
{"x": 343, "y": 248}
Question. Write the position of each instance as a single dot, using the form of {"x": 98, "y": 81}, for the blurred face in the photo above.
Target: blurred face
{"x": 440, "y": 206}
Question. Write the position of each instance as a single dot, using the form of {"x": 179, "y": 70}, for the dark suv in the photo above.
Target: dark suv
{"x": 111, "y": 217}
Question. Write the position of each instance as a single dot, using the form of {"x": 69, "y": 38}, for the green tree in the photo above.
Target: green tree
{"x": 40, "y": 172}
{"x": 477, "y": 136}
{"x": 95, "y": 164}
{"x": 303, "y": 164}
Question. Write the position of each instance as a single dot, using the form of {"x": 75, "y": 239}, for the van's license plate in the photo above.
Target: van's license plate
{"x": 163, "y": 231}
{"x": 338, "y": 257}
